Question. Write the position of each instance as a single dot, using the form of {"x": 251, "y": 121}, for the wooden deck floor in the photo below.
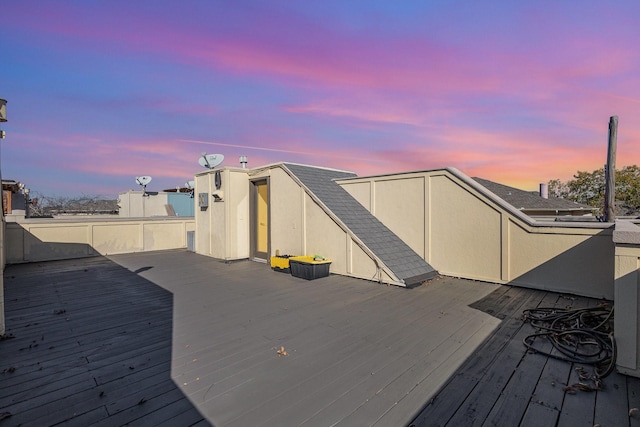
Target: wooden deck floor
{"x": 177, "y": 339}
{"x": 503, "y": 384}
{"x": 174, "y": 338}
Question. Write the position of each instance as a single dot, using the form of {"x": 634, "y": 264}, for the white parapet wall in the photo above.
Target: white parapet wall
{"x": 464, "y": 230}
{"x": 52, "y": 239}
{"x": 2, "y": 263}
{"x": 627, "y": 296}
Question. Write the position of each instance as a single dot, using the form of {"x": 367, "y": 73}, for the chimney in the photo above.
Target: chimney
{"x": 544, "y": 191}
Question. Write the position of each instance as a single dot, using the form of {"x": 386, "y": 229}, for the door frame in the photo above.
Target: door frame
{"x": 253, "y": 218}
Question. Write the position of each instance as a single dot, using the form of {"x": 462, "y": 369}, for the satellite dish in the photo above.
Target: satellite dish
{"x": 191, "y": 185}
{"x": 143, "y": 180}
{"x": 210, "y": 161}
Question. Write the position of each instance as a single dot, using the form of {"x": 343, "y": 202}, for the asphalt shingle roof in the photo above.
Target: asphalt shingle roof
{"x": 530, "y": 200}
{"x": 403, "y": 261}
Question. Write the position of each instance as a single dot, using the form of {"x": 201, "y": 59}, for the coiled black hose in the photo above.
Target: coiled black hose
{"x": 583, "y": 335}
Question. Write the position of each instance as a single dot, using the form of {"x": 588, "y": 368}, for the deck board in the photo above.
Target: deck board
{"x": 90, "y": 336}
{"x": 174, "y": 338}
{"x": 504, "y": 384}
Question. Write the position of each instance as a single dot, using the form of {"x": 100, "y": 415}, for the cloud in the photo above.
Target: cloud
{"x": 515, "y": 91}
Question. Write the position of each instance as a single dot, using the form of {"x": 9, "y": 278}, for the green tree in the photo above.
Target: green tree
{"x": 588, "y": 188}
{"x": 558, "y": 188}
{"x": 628, "y": 190}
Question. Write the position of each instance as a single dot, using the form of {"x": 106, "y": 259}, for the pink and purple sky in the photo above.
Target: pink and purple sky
{"x": 519, "y": 92}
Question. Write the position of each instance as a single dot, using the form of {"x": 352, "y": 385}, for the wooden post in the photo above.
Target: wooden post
{"x": 610, "y": 172}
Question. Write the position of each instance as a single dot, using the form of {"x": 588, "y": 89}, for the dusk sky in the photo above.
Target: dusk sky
{"x": 518, "y": 92}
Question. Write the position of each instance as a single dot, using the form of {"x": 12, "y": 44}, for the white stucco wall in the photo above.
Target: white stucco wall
{"x": 223, "y": 226}
{"x": 2, "y": 264}
{"x": 627, "y": 297}
{"x": 51, "y": 239}
{"x": 465, "y": 231}
{"x": 135, "y": 204}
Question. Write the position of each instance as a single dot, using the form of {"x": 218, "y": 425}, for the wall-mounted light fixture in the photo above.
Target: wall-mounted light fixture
{"x": 218, "y": 196}
{"x": 3, "y": 115}
{"x": 3, "y": 110}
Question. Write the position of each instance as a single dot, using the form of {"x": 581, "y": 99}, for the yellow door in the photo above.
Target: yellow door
{"x": 260, "y": 222}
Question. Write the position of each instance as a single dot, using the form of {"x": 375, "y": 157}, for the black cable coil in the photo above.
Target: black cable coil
{"x": 583, "y": 335}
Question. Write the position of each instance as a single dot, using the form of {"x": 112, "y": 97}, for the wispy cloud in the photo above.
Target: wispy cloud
{"x": 517, "y": 92}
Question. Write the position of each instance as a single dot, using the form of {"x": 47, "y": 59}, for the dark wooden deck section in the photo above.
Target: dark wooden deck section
{"x": 177, "y": 339}
{"x": 502, "y": 384}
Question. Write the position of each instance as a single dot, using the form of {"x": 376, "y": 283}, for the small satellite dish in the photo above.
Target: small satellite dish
{"x": 191, "y": 185}
{"x": 210, "y": 161}
{"x": 143, "y": 180}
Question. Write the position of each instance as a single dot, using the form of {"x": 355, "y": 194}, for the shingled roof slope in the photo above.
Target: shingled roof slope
{"x": 403, "y": 261}
{"x": 530, "y": 200}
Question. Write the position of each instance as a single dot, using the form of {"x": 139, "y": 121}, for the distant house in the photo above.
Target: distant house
{"x": 535, "y": 205}
{"x": 140, "y": 204}
{"x": 14, "y": 200}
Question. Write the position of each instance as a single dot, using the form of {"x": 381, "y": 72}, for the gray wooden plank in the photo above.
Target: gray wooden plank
{"x": 481, "y": 400}
{"x": 549, "y": 391}
{"x": 338, "y": 331}
{"x": 400, "y": 401}
{"x": 611, "y": 403}
{"x": 502, "y": 302}
{"x": 578, "y": 407}
{"x": 362, "y": 388}
{"x": 118, "y": 309}
{"x": 512, "y": 402}
{"x": 128, "y": 398}
{"x": 633, "y": 401}
{"x": 187, "y": 418}
{"x": 476, "y": 376}
{"x": 144, "y": 408}
{"x": 519, "y": 392}
{"x": 47, "y": 385}
{"x": 72, "y": 418}
{"x": 52, "y": 408}
{"x": 537, "y": 415}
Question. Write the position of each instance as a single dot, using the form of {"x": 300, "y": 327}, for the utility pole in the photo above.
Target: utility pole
{"x": 610, "y": 172}
{"x": 3, "y": 118}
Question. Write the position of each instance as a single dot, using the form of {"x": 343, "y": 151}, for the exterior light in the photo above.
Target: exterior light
{"x": 243, "y": 161}
{"x": 3, "y": 115}
{"x": 3, "y": 110}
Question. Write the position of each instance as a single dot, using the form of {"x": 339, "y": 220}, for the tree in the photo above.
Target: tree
{"x": 588, "y": 188}
{"x": 558, "y": 188}
{"x": 46, "y": 206}
{"x": 628, "y": 189}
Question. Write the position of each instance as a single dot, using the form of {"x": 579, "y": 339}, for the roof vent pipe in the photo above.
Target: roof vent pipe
{"x": 544, "y": 191}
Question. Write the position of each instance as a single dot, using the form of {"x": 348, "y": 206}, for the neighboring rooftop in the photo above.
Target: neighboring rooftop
{"x": 531, "y": 201}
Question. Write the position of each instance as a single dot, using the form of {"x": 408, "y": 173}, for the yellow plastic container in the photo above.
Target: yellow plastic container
{"x": 280, "y": 262}
{"x": 309, "y": 259}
